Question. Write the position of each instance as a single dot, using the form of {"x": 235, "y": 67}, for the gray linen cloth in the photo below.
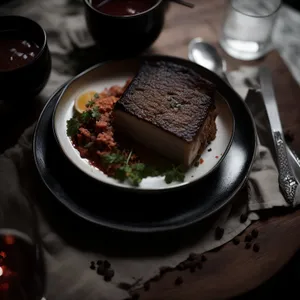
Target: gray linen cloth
{"x": 70, "y": 246}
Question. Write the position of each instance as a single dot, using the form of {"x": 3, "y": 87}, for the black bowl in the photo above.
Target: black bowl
{"x": 123, "y": 36}
{"x": 29, "y": 79}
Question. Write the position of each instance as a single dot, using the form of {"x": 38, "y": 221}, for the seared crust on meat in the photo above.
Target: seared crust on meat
{"x": 171, "y": 97}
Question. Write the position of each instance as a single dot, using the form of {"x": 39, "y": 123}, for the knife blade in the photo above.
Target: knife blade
{"x": 287, "y": 181}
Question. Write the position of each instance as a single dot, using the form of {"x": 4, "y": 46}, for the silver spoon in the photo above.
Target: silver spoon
{"x": 206, "y": 55}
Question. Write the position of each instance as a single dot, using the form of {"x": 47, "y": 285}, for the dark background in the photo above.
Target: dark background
{"x": 294, "y": 3}
{"x": 284, "y": 285}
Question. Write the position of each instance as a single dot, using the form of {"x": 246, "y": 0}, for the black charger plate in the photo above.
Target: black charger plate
{"x": 127, "y": 211}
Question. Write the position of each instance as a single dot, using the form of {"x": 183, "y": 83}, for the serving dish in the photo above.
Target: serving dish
{"x": 125, "y": 35}
{"x": 31, "y": 76}
{"x": 117, "y": 72}
{"x": 133, "y": 212}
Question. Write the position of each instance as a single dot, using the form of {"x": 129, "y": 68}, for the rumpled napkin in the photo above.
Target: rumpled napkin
{"x": 68, "y": 244}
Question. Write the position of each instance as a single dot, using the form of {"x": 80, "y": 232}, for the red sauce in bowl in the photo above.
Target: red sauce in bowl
{"x": 16, "y": 51}
{"x": 123, "y": 7}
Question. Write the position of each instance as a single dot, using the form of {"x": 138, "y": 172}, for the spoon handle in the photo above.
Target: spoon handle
{"x": 184, "y": 3}
{"x": 102, "y": 3}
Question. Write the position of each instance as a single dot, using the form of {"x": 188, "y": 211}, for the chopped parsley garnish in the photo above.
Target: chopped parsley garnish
{"x": 90, "y": 103}
{"x": 136, "y": 172}
{"x": 86, "y": 116}
{"x": 122, "y": 173}
{"x": 93, "y": 113}
{"x": 72, "y": 127}
{"x": 89, "y": 145}
{"x": 113, "y": 158}
{"x": 96, "y": 95}
{"x": 96, "y": 113}
{"x": 175, "y": 174}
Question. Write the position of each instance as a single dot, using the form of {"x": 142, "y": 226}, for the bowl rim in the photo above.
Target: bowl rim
{"x": 42, "y": 48}
{"x": 88, "y": 4}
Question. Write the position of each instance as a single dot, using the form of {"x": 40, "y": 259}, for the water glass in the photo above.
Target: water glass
{"x": 247, "y": 29}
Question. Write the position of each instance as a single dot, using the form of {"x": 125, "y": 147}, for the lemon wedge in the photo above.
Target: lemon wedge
{"x": 82, "y": 100}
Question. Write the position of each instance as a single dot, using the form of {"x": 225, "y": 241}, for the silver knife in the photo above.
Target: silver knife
{"x": 287, "y": 181}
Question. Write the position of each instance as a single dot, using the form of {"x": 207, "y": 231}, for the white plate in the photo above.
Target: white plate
{"x": 116, "y": 73}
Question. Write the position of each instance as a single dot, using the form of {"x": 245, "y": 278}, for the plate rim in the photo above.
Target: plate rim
{"x": 123, "y": 187}
{"x": 130, "y": 228}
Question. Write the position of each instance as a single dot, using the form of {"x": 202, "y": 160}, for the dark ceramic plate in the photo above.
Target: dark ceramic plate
{"x": 127, "y": 211}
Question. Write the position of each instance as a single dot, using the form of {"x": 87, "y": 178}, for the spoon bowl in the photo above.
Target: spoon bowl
{"x": 206, "y": 55}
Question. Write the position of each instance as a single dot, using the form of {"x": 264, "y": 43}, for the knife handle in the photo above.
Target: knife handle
{"x": 287, "y": 180}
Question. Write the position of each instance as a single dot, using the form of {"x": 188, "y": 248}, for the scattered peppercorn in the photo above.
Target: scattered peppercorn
{"x": 209, "y": 150}
{"x": 101, "y": 270}
{"x": 178, "y": 280}
{"x": 187, "y": 264}
{"x": 254, "y": 233}
{"x": 192, "y": 257}
{"x": 106, "y": 264}
{"x": 256, "y": 247}
{"x": 147, "y": 286}
{"x": 110, "y": 273}
{"x": 124, "y": 286}
{"x": 180, "y": 267}
{"x": 203, "y": 258}
{"x": 197, "y": 163}
{"x": 199, "y": 265}
{"x": 248, "y": 238}
{"x": 248, "y": 245}
{"x": 243, "y": 218}
{"x": 164, "y": 270}
{"x": 236, "y": 241}
{"x": 93, "y": 267}
{"x": 156, "y": 278}
{"x": 219, "y": 232}
{"x": 135, "y": 296}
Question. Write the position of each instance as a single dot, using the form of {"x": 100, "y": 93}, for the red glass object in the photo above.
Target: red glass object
{"x": 20, "y": 269}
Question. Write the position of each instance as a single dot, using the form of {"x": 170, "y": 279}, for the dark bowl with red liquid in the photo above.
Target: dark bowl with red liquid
{"x": 124, "y": 28}
{"x": 25, "y": 61}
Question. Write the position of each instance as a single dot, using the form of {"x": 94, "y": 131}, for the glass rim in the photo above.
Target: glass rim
{"x": 256, "y": 16}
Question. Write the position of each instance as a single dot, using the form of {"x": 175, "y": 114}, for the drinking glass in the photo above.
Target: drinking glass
{"x": 247, "y": 29}
{"x": 21, "y": 262}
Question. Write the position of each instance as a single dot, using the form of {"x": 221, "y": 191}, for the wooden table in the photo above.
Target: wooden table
{"x": 232, "y": 270}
